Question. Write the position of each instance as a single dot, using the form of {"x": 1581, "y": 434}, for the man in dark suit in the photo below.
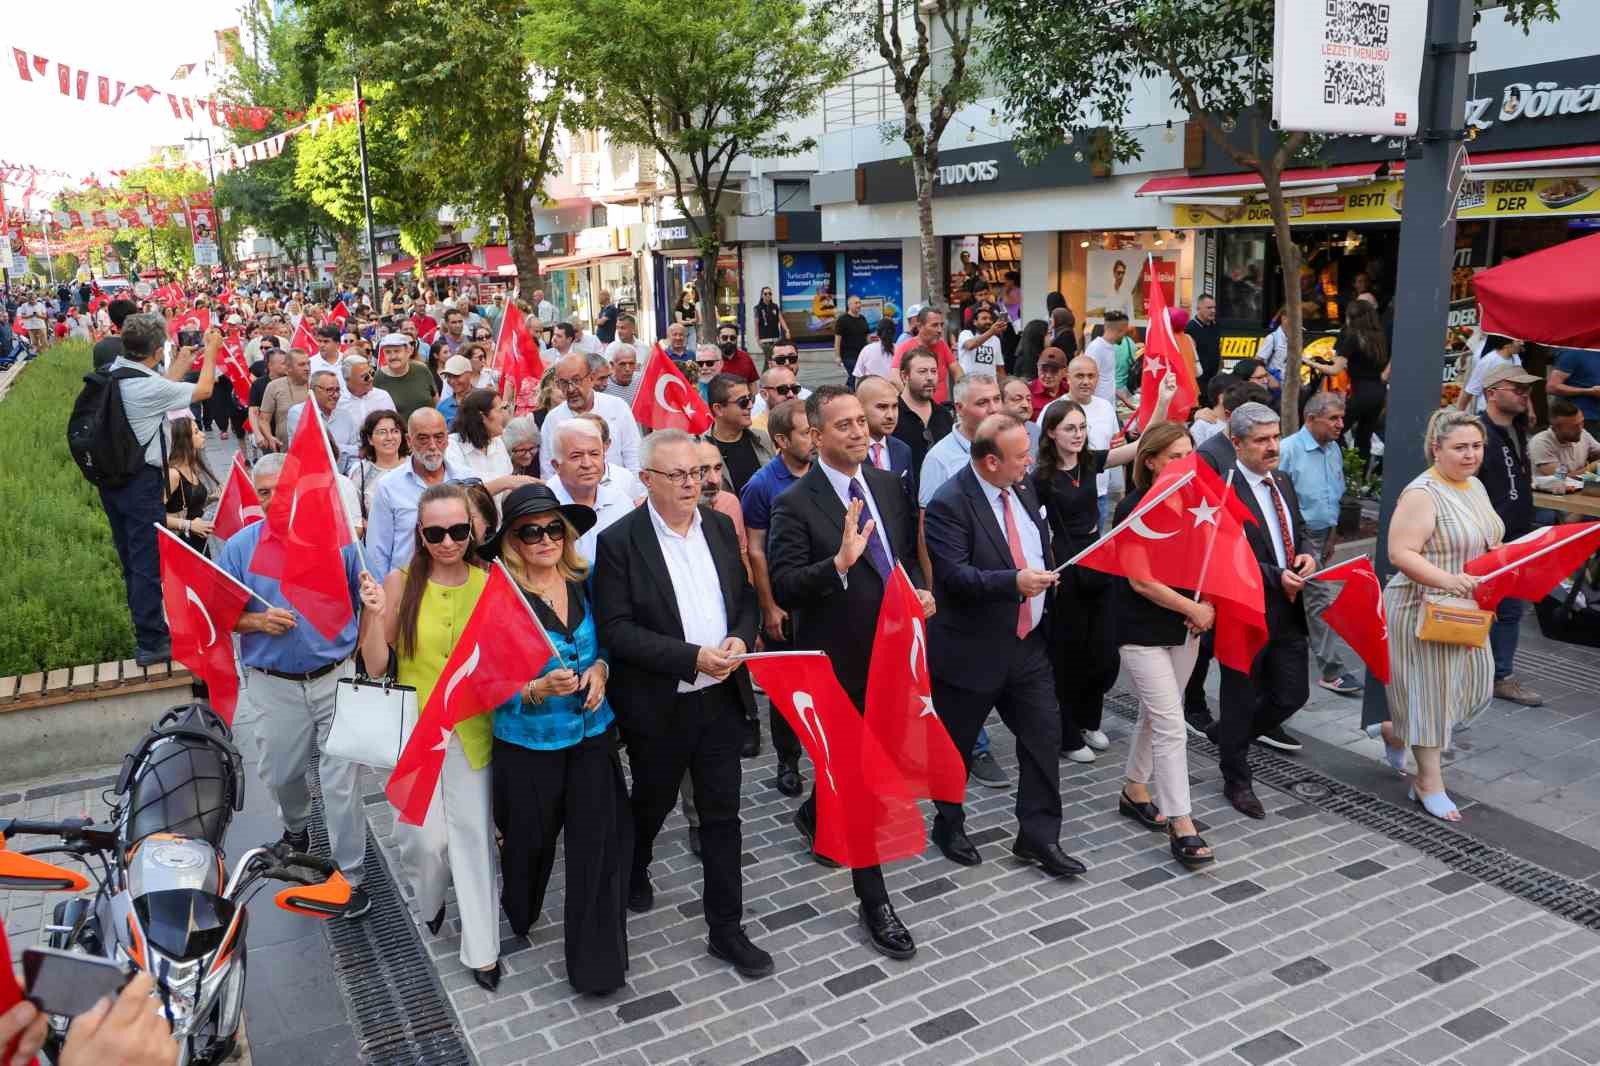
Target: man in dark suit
{"x": 1258, "y": 703}
{"x": 674, "y": 607}
{"x": 833, "y": 543}
{"x": 989, "y": 644}
{"x": 880, "y": 399}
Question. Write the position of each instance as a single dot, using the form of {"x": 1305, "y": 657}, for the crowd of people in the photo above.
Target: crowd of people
{"x": 656, "y": 560}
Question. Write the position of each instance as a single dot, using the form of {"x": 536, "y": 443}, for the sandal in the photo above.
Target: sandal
{"x": 1438, "y": 804}
{"x": 1146, "y": 813}
{"x": 1187, "y": 849}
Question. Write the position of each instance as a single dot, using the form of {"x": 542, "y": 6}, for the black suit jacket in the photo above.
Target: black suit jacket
{"x": 1282, "y": 615}
{"x": 1217, "y": 451}
{"x": 838, "y": 618}
{"x": 636, "y": 613}
{"x": 973, "y": 635}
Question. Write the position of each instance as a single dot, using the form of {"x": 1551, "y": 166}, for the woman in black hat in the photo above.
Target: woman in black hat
{"x": 555, "y": 750}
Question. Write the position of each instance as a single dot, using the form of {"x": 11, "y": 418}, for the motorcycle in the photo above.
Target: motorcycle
{"x": 164, "y": 900}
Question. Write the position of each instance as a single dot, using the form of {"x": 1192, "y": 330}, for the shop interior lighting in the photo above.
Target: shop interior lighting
{"x": 1085, "y": 244}
{"x": 1171, "y": 134}
{"x": 993, "y": 119}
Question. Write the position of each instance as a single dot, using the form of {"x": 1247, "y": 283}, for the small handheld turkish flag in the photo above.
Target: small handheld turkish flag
{"x": 240, "y": 505}
{"x": 202, "y": 604}
{"x": 339, "y": 314}
{"x": 495, "y": 656}
{"x": 900, "y": 705}
{"x": 303, "y": 340}
{"x": 666, "y": 400}
{"x": 1162, "y": 356}
{"x": 861, "y": 821}
{"x": 196, "y": 318}
{"x": 516, "y": 352}
{"x": 1529, "y": 567}
{"x": 1356, "y": 614}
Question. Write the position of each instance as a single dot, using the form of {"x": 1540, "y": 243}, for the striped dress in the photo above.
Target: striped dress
{"x": 1437, "y": 685}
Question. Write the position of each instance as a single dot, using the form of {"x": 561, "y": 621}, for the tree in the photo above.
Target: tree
{"x": 167, "y": 246}
{"x": 700, "y": 85}
{"x": 918, "y": 85}
{"x": 1074, "y": 64}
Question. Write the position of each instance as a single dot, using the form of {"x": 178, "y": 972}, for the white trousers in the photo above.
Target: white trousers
{"x": 1158, "y": 752}
{"x": 282, "y": 720}
{"x": 455, "y": 842}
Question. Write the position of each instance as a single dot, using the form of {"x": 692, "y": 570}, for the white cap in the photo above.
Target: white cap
{"x": 395, "y": 340}
{"x": 457, "y": 365}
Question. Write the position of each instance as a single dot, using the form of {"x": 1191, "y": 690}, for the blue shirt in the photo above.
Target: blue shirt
{"x": 558, "y": 721}
{"x": 393, "y": 516}
{"x": 764, "y": 486}
{"x": 1317, "y": 471}
{"x": 943, "y": 462}
{"x": 302, "y": 649}
{"x": 1582, "y": 368}
{"x": 447, "y": 407}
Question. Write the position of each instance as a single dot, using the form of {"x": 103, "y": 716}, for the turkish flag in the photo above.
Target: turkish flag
{"x": 1530, "y": 566}
{"x": 202, "y": 604}
{"x": 1162, "y": 356}
{"x": 240, "y": 505}
{"x": 22, "y": 64}
{"x": 307, "y": 530}
{"x": 339, "y": 314}
{"x": 899, "y": 713}
{"x": 498, "y": 652}
{"x": 1356, "y": 614}
{"x": 1196, "y": 520}
{"x": 516, "y": 351}
{"x": 303, "y": 338}
{"x": 666, "y": 400}
{"x": 195, "y": 318}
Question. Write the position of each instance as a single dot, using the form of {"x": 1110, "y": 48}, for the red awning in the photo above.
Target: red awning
{"x": 399, "y": 266}
{"x": 1238, "y": 184}
{"x": 457, "y": 270}
{"x": 1549, "y": 297}
{"x": 497, "y": 259}
{"x": 1482, "y": 164}
{"x": 570, "y": 262}
{"x": 449, "y": 251}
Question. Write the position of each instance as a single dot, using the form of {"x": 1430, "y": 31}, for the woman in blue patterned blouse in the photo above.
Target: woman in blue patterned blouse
{"x": 555, "y": 746}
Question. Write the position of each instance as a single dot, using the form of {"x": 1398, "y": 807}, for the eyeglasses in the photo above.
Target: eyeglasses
{"x": 364, "y": 377}
{"x": 693, "y": 475}
{"x": 708, "y": 362}
{"x": 436, "y": 534}
{"x": 784, "y": 390}
{"x": 743, "y": 401}
{"x": 568, "y": 384}
{"x": 531, "y": 534}
{"x": 785, "y": 360}
{"x": 466, "y": 482}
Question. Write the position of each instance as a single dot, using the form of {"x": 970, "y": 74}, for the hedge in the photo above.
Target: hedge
{"x": 61, "y": 595}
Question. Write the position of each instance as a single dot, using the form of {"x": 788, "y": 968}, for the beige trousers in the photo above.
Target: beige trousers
{"x": 1158, "y": 751}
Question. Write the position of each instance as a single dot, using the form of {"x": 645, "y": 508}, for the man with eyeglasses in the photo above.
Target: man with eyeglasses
{"x": 580, "y": 463}
{"x": 708, "y": 364}
{"x": 358, "y": 401}
{"x": 393, "y": 514}
{"x": 743, "y": 448}
{"x": 770, "y": 326}
{"x": 408, "y": 383}
{"x": 574, "y": 376}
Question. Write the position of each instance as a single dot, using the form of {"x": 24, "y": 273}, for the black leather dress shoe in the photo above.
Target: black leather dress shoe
{"x": 436, "y": 923}
{"x": 1050, "y": 858}
{"x": 808, "y": 832}
{"x": 955, "y": 846}
{"x": 1244, "y": 801}
{"x": 735, "y": 947}
{"x": 752, "y": 739}
{"x": 888, "y": 934}
{"x": 641, "y": 894}
{"x": 694, "y": 840}
{"x": 788, "y": 780}
{"x": 488, "y": 980}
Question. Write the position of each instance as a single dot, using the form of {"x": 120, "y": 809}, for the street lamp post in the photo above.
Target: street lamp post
{"x": 211, "y": 170}
{"x": 366, "y": 198}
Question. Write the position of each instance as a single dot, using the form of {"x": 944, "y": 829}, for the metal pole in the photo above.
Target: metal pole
{"x": 1427, "y": 253}
{"x": 366, "y": 198}
{"x": 49, "y": 267}
{"x": 222, "y": 246}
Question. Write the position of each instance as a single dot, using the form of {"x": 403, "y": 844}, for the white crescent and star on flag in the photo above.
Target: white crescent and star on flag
{"x": 806, "y": 709}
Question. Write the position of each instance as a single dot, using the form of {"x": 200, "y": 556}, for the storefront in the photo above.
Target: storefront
{"x": 601, "y": 261}
{"x": 815, "y": 283}
{"x": 677, "y": 271}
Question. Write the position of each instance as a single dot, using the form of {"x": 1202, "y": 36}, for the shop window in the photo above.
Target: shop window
{"x": 597, "y": 216}
{"x": 791, "y": 195}
{"x": 1241, "y": 267}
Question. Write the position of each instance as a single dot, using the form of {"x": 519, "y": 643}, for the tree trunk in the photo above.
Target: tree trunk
{"x": 923, "y": 165}
{"x": 520, "y": 233}
{"x": 706, "y": 278}
{"x": 1289, "y": 257}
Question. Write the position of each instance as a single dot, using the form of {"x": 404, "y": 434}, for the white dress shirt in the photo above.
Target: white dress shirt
{"x": 319, "y": 365}
{"x": 1265, "y": 494}
{"x": 697, "y": 587}
{"x": 626, "y": 442}
{"x": 841, "y": 487}
{"x": 610, "y": 503}
{"x": 351, "y": 415}
{"x": 485, "y": 463}
{"x": 1027, "y": 532}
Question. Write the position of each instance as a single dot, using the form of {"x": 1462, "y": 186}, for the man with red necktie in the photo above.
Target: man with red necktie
{"x": 880, "y": 398}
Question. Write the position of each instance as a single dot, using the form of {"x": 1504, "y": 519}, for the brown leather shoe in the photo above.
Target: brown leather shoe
{"x": 1244, "y": 801}
{"x": 1513, "y": 691}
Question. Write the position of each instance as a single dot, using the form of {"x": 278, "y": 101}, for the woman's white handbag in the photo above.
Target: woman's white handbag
{"x": 372, "y": 720}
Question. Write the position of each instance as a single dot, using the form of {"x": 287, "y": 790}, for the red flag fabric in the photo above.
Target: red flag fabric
{"x": 195, "y": 318}
{"x": 202, "y": 604}
{"x": 234, "y": 366}
{"x": 516, "y": 350}
{"x": 307, "y": 530}
{"x": 495, "y": 656}
{"x": 861, "y": 821}
{"x": 303, "y": 338}
{"x": 1356, "y": 614}
{"x": 666, "y": 400}
{"x": 340, "y": 313}
{"x": 240, "y": 505}
{"x": 22, "y": 64}
{"x": 899, "y": 712}
{"x": 1162, "y": 356}
{"x": 1195, "y": 519}
{"x": 1530, "y": 566}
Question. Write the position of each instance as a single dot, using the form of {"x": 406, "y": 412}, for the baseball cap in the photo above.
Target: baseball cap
{"x": 234, "y": 320}
{"x": 457, "y": 365}
{"x": 395, "y": 340}
{"x": 1508, "y": 372}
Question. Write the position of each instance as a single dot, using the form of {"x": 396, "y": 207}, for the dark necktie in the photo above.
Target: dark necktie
{"x": 1283, "y": 522}
{"x": 876, "y": 555}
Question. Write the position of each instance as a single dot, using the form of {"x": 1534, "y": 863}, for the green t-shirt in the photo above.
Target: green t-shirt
{"x": 408, "y": 393}
{"x": 1125, "y": 364}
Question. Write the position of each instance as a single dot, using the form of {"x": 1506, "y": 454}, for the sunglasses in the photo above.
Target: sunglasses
{"x": 786, "y": 360}
{"x": 708, "y": 362}
{"x": 459, "y": 532}
{"x": 785, "y": 390}
{"x": 532, "y": 534}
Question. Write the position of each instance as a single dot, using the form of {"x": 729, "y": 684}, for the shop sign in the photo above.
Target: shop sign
{"x": 875, "y": 277}
{"x": 1384, "y": 201}
{"x": 1348, "y": 66}
{"x": 1234, "y": 346}
{"x": 807, "y": 291}
{"x": 991, "y": 168}
{"x": 550, "y": 244}
{"x": 596, "y": 240}
{"x": 675, "y": 233}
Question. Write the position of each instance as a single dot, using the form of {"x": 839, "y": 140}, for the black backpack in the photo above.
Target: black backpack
{"x": 99, "y": 435}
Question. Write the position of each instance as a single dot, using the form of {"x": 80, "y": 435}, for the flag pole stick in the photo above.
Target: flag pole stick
{"x": 1139, "y": 512}
{"x": 1211, "y": 542}
{"x": 246, "y": 589}
{"x": 1539, "y": 554}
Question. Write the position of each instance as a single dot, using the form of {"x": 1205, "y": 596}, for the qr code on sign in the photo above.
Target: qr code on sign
{"x": 1351, "y": 84}
{"x": 1363, "y": 23}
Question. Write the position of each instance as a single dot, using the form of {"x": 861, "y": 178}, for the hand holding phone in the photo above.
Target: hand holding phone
{"x": 69, "y": 983}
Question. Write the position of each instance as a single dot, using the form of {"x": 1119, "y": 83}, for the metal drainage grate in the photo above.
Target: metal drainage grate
{"x": 400, "y": 1012}
{"x": 1560, "y": 895}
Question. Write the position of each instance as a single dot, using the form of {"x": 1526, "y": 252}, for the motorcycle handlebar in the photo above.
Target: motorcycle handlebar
{"x": 72, "y": 829}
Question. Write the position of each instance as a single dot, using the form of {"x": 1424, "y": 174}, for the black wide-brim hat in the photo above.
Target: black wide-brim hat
{"x": 532, "y": 500}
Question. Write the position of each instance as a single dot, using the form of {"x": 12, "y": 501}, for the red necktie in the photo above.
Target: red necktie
{"x": 1014, "y": 540}
{"x": 877, "y": 456}
{"x": 1283, "y": 522}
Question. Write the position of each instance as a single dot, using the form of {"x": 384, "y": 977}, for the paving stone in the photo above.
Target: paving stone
{"x": 1364, "y": 868}
{"x": 1302, "y": 970}
{"x": 943, "y": 1027}
{"x": 1238, "y": 892}
{"x": 1452, "y": 883}
{"x": 789, "y": 1056}
{"x": 644, "y": 1007}
{"x": 929, "y": 889}
{"x": 855, "y": 980}
{"x": 1058, "y": 931}
{"x": 1475, "y": 1024}
{"x": 802, "y": 912}
{"x": 1268, "y": 1047}
{"x": 1148, "y": 878}
{"x": 1205, "y": 952}
{"x": 1447, "y": 968}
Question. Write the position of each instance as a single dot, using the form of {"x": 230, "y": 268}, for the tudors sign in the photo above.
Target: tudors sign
{"x": 990, "y": 168}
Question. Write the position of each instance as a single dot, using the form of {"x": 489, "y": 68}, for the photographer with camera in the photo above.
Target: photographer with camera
{"x": 127, "y": 1032}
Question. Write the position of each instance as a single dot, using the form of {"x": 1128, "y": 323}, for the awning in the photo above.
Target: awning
{"x": 1491, "y": 163}
{"x": 1549, "y": 297}
{"x": 572, "y": 262}
{"x": 402, "y": 265}
{"x": 1236, "y": 185}
{"x": 497, "y": 260}
{"x": 448, "y": 252}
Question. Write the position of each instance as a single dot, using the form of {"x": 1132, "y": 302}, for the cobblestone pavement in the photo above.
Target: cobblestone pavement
{"x": 1312, "y": 941}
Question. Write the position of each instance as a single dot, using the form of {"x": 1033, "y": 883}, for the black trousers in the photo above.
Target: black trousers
{"x": 1279, "y": 683}
{"x": 1364, "y": 411}
{"x": 537, "y": 794}
{"x": 1194, "y": 693}
{"x": 1026, "y": 700}
{"x": 705, "y": 741}
{"x": 1084, "y": 653}
{"x": 868, "y": 880}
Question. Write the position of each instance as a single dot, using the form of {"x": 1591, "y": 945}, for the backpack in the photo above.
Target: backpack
{"x": 99, "y": 435}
